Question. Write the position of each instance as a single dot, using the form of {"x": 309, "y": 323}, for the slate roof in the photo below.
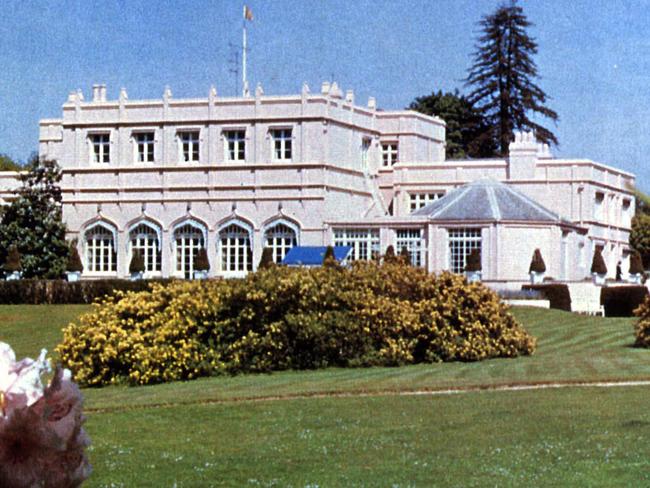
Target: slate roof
{"x": 488, "y": 200}
{"x": 313, "y": 255}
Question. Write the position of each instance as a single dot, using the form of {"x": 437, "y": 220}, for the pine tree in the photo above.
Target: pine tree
{"x": 33, "y": 223}
{"x": 503, "y": 74}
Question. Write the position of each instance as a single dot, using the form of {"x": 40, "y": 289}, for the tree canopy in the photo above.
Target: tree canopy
{"x": 503, "y": 76}
{"x": 8, "y": 164}
{"x": 468, "y": 133}
{"x": 33, "y": 224}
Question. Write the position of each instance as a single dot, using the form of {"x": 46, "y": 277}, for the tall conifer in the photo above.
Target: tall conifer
{"x": 503, "y": 77}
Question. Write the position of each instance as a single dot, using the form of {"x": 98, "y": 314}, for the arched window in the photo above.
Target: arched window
{"x": 188, "y": 239}
{"x": 280, "y": 238}
{"x": 144, "y": 239}
{"x": 235, "y": 248}
{"x": 100, "y": 250}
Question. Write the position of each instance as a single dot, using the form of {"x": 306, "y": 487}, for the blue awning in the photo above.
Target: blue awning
{"x": 313, "y": 255}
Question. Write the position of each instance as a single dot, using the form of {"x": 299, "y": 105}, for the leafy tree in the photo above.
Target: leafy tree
{"x": 32, "y": 222}
{"x": 640, "y": 237}
{"x": 503, "y": 77}
{"x": 468, "y": 132}
{"x": 8, "y": 164}
{"x": 636, "y": 265}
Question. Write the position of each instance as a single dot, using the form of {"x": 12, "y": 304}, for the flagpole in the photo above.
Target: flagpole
{"x": 245, "y": 90}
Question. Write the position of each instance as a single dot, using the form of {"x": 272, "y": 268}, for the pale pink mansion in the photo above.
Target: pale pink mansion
{"x": 169, "y": 176}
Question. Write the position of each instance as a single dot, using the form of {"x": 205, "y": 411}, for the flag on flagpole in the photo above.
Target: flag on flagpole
{"x": 248, "y": 13}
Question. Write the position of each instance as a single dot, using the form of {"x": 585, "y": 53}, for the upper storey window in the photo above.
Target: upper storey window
{"x": 419, "y": 200}
{"x": 100, "y": 147}
{"x": 365, "y": 149}
{"x": 144, "y": 147}
{"x": 599, "y": 204}
{"x": 281, "y": 144}
{"x": 235, "y": 145}
{"x": 189, "y": 146}
{"x": 389, "y": 153}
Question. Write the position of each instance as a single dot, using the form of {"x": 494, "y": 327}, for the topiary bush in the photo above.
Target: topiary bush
{"x": 390, "y": 257}
{"x": 598, "y": 263}
{"x": 266, "y": 261}
{"x": 473, "y": 261}
{"x": 537, "y": 264}
{"x": 137, "y": 262}
{"x": 74, "y": 264}
{"x": 201, "y": 261}
{"x": 12, "y": 263}
{"x": 290, "y": 318}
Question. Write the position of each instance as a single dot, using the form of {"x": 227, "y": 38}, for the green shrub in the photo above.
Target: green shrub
{"x": 598, "y": 263}
{"x": 290, "y": 318}
{"x": 12, "y": 263}
{"x": 636, "y": 264}
{"x": 137, "y": 262}
{"x": 621, "y": 301}
{"x": 473, "y": 261}
{"x": 537, "y": 264}
{"x": 74, "y": 263}
{"x": 557, "y": 294}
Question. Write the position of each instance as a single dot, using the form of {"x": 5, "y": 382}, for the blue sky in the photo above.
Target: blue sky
{"x": 594, "y": 58}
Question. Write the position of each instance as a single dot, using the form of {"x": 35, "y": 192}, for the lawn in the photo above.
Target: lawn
{"x": 235, "y": 431}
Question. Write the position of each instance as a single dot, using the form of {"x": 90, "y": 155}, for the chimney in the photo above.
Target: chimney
{"x": 97, "y": 93}
{"x": 522, "y": 156}
{"x": 102, "y": 93}
{"x": 325, "y": 88}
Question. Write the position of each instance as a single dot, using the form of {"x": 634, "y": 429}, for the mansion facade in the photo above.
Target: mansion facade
{"x": 169, "y": 176}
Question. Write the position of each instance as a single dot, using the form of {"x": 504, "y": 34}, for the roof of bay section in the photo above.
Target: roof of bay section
{"x": 489, "y": 200}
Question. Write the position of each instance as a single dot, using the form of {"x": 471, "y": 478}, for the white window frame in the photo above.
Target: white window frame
{"x": 99, "y": 144}
{"x": 364, "y": 242}
{"x": 417, "y": 200}
{"x": 144, "y": 151}
{"x": 281, "y": 143}
{"x": 414, "y": 243}
{"x": 193, "y": 145}
{"x": 599, "y": 206}
{"x": 234, "y": 144}
{"x": 366, "y": 144}
{"x": 280, "y": 236}
{"x": 461, "y": 241}
{"x": 100, "y": 250}
{"x": 188, "y": 237}
{"x": 235, "y": 248}
{"x": 389, "y": 153}
{"x": 146, "y": 239}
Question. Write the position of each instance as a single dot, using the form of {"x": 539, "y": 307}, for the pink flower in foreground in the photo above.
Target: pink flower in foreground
{"x": 42, "y": 441}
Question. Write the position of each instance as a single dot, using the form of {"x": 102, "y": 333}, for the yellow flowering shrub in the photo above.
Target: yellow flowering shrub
{"x": 290, "y": 318}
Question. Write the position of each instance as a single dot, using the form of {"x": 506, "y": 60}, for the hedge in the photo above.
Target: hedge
{"x": 35, "y": 291}
{"x": 556, "y": 293}
{"x": 621, "y": 301}
{"x": 290, "y": 318}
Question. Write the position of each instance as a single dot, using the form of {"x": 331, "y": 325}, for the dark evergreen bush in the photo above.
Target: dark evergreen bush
{"x": 266, "y": 260}
{"x": 137, "y": 262}
{"x": 537, "y": 264}
{"x": 74, "y": 263}
{"x": 405, "y": 255}
{"x": 473, "y": 261}
{"x": 201, "y": 261}
{"x": 598, "y": 263}
{"x": 390, "y": 257}
{"x": 329, "y": 259}
{"x": 556, "y": 293}
{"x": 12, "y": 263}
{"x": 621, "y": 301}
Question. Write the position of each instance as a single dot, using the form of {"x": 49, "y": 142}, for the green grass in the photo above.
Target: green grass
{"x": 223, "y": 432}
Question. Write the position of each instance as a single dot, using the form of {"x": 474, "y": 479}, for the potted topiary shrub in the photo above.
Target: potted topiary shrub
{"x": 405, "y": 256}
{"x": 473, "y": 268}
{"x": 201, "y": 264}
{"x": 266, "y": 261}
{"x": 636, "y": 268}
{"x": 74, "y": 267}
{"x": 136, "y": 267}
{"x": 389, "y": 256}
{"x": 598, "y": 268}
{"x": 12, "y": 267}
{"x": 537, "y": 268}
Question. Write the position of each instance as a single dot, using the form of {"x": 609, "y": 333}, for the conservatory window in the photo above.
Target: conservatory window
{"x": 280, "y": 238}
{"x": 411, "y": 239}
{"x": 100, "y": 250}
{"x": 235, "y": 248}
{"x": 461, "y": 243}
{"x": 145, "y": 240}
{"x": 188, "y": 240}
{"x": 364, "y": 242}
